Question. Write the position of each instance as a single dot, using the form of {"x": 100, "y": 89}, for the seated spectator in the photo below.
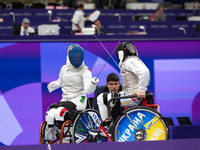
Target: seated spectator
{"x": 25, "y": 28}
{"x": 159, "y": 11}
{"x": 98, "y": 29}
{"x": 103, "y": 94}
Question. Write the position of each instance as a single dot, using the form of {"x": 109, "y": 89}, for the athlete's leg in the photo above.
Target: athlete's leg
{"x": 49, "y": 117}
{"x": 129, "y": 102}
{"x": 80, "y": 102}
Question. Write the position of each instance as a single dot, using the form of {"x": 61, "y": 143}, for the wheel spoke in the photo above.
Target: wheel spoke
{"x": 131, "y": 121}
{"x": 142, "y": 121}
{"x": 153, "y": 124}
{"x": 90, "y": 120}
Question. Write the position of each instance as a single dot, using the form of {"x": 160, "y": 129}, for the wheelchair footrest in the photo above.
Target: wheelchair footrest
{"x": 95, "y": 136}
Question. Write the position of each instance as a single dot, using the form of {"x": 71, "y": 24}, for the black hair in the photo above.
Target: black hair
{"x": 80, "y": 4}
{"x": 112, "y": 77}
{"x": 158, "y": 8}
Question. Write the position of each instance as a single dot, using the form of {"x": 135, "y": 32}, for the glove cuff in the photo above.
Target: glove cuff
{"x": 95, "y": 80}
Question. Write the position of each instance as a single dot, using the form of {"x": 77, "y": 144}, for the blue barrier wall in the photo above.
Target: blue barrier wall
{"x": 109, "y": 21}
{"x": 184, "y": 144}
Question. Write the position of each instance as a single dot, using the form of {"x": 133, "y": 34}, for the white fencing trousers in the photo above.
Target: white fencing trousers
{"x": 55, "y": 113}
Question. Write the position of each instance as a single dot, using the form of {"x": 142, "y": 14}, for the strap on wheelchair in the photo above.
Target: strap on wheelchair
{"x": 117, "y": 109}
{"x": 105, "y": 98}
{"x": 67, "y": 104}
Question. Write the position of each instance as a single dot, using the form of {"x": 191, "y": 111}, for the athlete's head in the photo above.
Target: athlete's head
{"x": 113, "y": 83}
{"x": 125, "y": 49}
{"x": 76, "y": 55}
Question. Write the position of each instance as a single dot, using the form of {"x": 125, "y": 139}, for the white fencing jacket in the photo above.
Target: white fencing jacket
{"x": 73, "y": 81}
{"x": 135, "y": 75}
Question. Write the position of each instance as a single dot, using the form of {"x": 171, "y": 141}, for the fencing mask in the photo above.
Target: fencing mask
{"x": 125, "y": 49}
{"x": 76, "y": 55}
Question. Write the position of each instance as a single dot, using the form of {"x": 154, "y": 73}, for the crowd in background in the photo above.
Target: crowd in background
{"x": 98, "y": 4}
{"x": 79, "y": 19}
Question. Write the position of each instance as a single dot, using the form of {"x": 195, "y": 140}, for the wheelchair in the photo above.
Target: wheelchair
{"x": 73, "y": 131}
{"x": 141, "y": 123}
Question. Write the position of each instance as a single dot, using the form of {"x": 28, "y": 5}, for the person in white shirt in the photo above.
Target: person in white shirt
{"x": 78, "y": 20}
{"x": 75, "y": 80}
{"x": 25, "y": 28}
{"x": 112, "y": 90}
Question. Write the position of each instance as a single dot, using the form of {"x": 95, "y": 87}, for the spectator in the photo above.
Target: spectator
{"x": 159, "y": 11}
{"x": 98, "y": 29}
{"x": 78, "y": 20}
{"x": 111, "y": 90}
{"x": 102, "y": 96}
{"x": 25, "y": 28}
{"x": 112, "y": 85}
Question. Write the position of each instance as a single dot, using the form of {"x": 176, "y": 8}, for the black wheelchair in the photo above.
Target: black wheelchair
{"x": 75, "y": 130}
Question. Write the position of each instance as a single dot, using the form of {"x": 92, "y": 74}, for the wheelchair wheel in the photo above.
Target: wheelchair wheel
{"x": 140, "y": 124}
{"x": 86, "y": 120}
